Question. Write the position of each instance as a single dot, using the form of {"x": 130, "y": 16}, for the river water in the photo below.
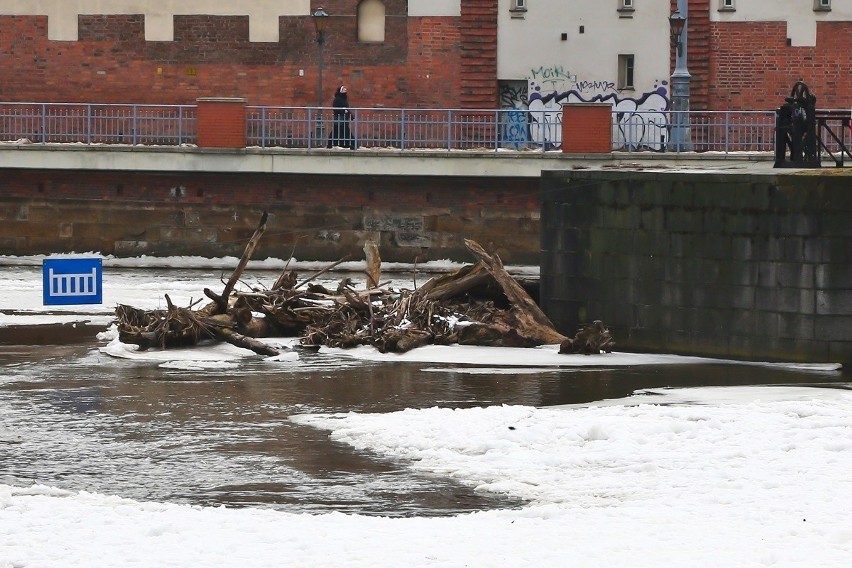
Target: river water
{"x": 218, "y": 433}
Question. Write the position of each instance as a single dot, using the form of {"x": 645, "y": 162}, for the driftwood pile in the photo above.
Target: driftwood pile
{"x": 480, "y": 304}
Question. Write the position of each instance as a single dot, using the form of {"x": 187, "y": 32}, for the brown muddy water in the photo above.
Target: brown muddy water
{"x": 74, "y": 418}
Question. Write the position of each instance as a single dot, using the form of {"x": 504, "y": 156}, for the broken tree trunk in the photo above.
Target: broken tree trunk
{"x": 374, "y": 263}
{"x": 451, "y": 285}
{"x": 530, "y": 323}
{"x": 221, "y": 301}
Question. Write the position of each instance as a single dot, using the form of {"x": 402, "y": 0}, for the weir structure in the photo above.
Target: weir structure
{"x": 754, "y": 265}
{"x": 696, "y": 254}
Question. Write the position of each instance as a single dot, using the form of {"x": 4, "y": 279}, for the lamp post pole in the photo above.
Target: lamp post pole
{"x": 681, "y": 134}
{"x": 320, "y": 17}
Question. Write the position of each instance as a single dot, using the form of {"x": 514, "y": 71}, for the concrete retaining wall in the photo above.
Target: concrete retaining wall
{"x": 752, "y": 266}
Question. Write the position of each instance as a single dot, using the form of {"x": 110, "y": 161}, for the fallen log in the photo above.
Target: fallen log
{"x": 452, "y": 285}
{"x": 531, "y": 323}
{"x": 228, "y": 335}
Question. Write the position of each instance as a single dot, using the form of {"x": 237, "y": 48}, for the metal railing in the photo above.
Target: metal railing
{"x": 401, "y": 129}
{"x": 707, "y": 131}
{"x": 82, "y": 123}
{"x": 834, "y": 135}
{"x": 394, "y": 128}
{"x": 508, "y": 129}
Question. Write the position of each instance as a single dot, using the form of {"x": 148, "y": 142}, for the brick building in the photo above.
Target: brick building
{"x": 422, "y": 53}
{"x": 427, "y": 53}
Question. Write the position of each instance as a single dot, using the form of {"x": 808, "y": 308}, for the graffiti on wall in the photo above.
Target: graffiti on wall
{"x": 514, "y": 125}
{"x": 534, "y": 110}
{"x": 553, "y": 77}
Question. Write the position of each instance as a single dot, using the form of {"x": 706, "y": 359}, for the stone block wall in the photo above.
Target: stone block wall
{"x": 315, "y": 217}
{"x": 723, "y": 265}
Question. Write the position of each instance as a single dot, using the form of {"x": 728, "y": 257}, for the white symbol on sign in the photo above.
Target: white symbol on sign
{"x": 73, "y": 284}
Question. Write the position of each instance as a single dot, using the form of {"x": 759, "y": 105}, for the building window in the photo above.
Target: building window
{"x": 518, "y": 8}
{"x": 822, "y": 5}
{"x": 727, "y": 6}
{"x": 371, "y": 21}
{"x": 625, "y": 71}
{"x": 625, "y": 8}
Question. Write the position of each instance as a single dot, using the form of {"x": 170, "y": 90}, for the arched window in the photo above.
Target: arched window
{"x": 371, "y": 21}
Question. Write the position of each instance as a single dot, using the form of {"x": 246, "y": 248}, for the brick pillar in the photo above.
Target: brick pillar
{"x": 587, "y": 128}
{"x": 221, "y": 122}
{"x": 478, "y": 44}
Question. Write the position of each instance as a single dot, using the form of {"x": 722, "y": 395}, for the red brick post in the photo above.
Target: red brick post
{"x": 587, "y": 128}
{"x": 221, "y": 122}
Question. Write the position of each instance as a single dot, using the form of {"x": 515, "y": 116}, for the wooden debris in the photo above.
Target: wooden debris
{"x": 374, "y": 263}
{"x": 591, "y": 339}
{"x": 525, "y": 319}
{"x": 480, "y": 304}
{"x": 221, "y": 301}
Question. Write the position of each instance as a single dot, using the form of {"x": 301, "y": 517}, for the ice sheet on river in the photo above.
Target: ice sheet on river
{"x": 208, "y": 354}
{"x": 544, "y": 356}
{"x": 476, "y": 356}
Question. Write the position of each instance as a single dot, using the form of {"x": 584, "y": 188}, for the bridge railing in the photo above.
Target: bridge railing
{"x": 393, "y": 128}
{"x": 83, "y": 123}
{"x": 397, "y": 128}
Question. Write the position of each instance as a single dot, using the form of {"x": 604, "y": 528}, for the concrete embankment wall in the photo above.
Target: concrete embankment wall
{"x": 752, "y": 266}
{"x": 313, "y": 216}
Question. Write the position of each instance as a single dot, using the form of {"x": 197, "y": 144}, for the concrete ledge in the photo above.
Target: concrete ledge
{"x": 347, "y": 162}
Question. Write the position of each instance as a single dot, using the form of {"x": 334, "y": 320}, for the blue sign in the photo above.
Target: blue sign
{"x": 72, "y": 281}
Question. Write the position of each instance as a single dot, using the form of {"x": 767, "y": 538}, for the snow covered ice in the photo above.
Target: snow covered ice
{"x": 714, "y": 476}
{"x": 746, "y": 476}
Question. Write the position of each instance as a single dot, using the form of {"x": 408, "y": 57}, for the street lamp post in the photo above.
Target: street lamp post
{"x": 681, "y": 135}
{"x": 320, "y": 18}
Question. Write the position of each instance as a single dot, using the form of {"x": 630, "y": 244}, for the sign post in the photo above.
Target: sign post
{"x": 72, "y": 281}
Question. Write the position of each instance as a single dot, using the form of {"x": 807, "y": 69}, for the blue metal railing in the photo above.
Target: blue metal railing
{"x": 394, "y": 128}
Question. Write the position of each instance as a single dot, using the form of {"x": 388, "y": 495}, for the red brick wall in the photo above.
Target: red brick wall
{"x": 221, "y": 123}
{"x": 479, "y": 54}
{"x": 587, "y": 128}
{"x": 424, "y": 62}
{"x": 749, "y": 66}
{"x": 754, "y": 68}
{"x": 699, "y": 54}
{"x": 418, "y": 65}
{"x": 436, "y": 55}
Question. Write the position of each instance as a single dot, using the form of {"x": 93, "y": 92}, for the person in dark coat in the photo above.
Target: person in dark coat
{"x": 341, "y": 134}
